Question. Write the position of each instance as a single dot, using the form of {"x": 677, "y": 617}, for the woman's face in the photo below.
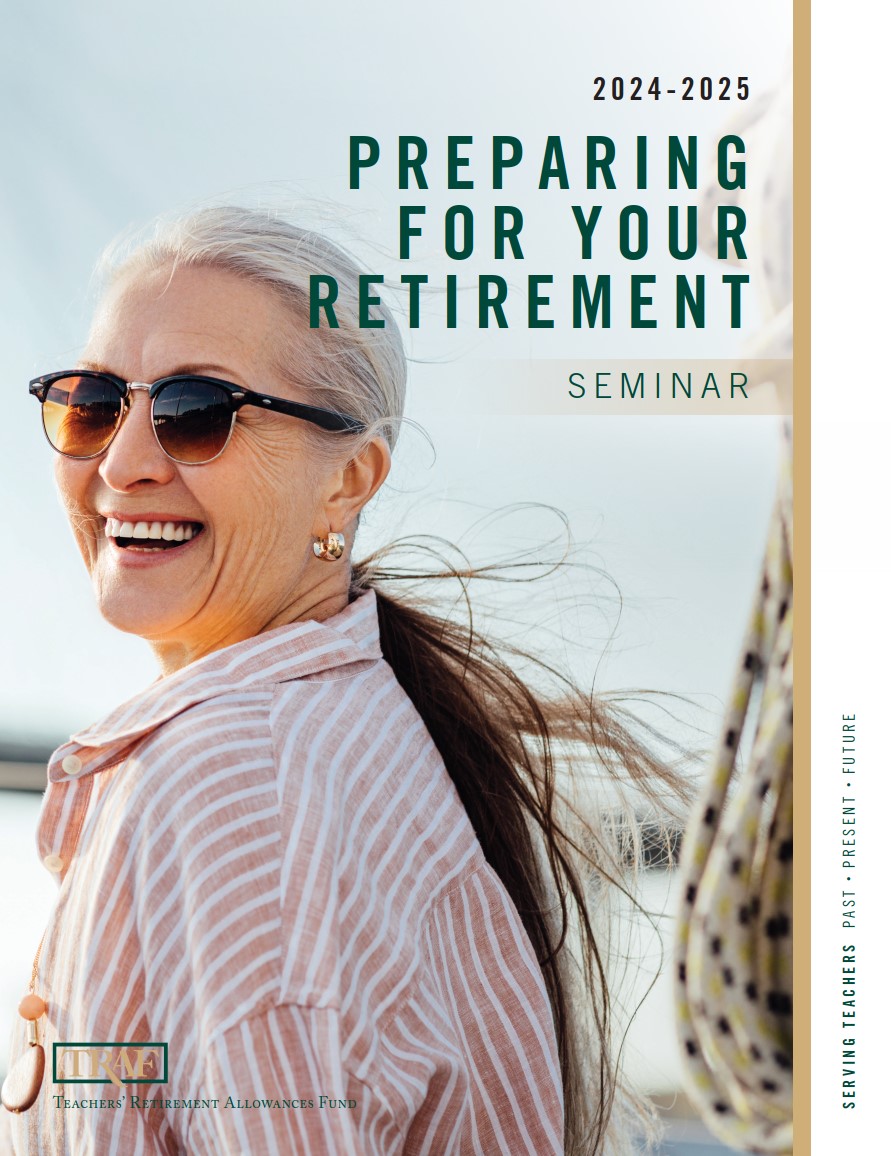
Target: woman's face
{"x": 254, "y": 511}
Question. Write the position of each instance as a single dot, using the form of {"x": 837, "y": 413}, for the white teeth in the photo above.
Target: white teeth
{"x": 168, "y": 531}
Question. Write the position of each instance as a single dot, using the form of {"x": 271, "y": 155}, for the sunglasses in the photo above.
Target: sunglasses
{"x": 193, "y": 417}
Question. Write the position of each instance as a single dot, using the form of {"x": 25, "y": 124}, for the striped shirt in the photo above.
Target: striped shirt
{"x": 264, "y": 864}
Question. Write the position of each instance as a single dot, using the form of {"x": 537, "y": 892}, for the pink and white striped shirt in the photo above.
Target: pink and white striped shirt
{"x": 264, "y": 863}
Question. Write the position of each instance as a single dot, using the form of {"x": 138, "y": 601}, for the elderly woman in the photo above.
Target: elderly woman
{"x": 320, "y": 858}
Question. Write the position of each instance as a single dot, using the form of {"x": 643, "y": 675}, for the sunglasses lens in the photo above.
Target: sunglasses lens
{"x": 193, "y": 420}
{"x": 81, "y": 414}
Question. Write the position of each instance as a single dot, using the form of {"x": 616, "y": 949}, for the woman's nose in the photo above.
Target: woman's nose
{"x": 134, "y": 457}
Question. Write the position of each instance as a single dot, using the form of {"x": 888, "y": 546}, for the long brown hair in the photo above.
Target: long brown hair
{"x": 506, "y": 747}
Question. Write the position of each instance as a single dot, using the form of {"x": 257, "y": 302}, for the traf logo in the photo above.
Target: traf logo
{"x": 110, "y": 1063}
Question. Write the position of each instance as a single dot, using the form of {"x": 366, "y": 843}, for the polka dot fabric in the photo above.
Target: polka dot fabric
{"x": 733, "y": 980}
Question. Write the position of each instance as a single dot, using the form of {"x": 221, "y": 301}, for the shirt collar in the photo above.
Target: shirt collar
{"x": 345, "y": 643}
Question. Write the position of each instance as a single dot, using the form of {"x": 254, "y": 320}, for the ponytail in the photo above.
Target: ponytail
{"x": 504, "y": 746}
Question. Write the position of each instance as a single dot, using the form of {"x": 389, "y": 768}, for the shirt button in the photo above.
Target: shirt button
{"x": 53, "y": 863}
{"x": 71, "y": 765}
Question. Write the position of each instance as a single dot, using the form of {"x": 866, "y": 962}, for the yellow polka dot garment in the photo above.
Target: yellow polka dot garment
{"x": 734, "y": 946}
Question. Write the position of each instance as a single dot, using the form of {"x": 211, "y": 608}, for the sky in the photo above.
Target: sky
{"x": 123, "y": 113}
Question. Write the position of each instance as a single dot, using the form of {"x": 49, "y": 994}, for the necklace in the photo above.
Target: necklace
{"x": 22, "y": 1085}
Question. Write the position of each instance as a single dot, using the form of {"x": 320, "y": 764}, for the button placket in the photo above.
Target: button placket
{"x": 64, "y": 843}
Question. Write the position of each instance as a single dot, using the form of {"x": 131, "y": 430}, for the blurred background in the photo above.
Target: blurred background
{"x": 125, "y": 113}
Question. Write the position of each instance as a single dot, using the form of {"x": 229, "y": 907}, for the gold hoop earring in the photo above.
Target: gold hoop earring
{"x": 328, "y": 547}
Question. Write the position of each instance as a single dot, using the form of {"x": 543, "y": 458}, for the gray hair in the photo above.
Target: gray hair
{"x": 357, "y": 371}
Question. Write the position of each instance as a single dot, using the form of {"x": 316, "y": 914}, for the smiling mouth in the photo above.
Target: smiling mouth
{"x": 147, "y": 537}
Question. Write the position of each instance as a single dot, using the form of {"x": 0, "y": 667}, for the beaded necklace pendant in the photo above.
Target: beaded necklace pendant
{"x": 22, "y": 1084}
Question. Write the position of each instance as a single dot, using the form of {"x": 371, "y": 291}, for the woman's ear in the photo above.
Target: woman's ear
{"x": 353, "y": 485}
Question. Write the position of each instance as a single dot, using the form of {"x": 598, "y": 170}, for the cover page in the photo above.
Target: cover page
{"x": 577, "y": 224}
